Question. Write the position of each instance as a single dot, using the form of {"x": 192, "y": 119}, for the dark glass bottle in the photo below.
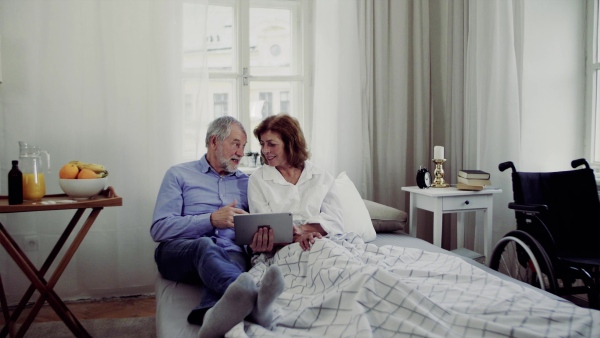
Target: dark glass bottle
{"x": 15, "y": 184}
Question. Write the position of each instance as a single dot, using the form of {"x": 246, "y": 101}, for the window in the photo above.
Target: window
{"x": 267, "y": 107}
{"x": 284, "y": 102}
{"x": 253, "y": 50}
{"x": 592, "y": 85}
{"x": 220, "y": 104}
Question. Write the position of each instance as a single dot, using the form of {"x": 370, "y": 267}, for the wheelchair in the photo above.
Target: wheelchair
{"x": 556, "y": 244}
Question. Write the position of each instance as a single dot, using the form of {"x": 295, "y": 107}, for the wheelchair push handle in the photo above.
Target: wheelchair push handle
{"x": 574, "y": 164}
{"x": 505, "y": 165}
{"x": 578, "y": 162}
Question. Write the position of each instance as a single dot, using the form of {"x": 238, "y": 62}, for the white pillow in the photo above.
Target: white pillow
{"x": 354, "y": 211}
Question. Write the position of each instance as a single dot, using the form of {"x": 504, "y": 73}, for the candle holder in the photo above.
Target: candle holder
{"x": 438, "y": 174}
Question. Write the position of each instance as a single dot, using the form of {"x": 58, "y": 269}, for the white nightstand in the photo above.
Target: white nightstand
{"x": 451, "y": 200}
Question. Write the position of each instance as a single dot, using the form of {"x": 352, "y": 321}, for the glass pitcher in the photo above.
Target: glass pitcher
{"x": 33, "y": 163}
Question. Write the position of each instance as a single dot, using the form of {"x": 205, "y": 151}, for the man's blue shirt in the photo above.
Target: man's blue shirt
{"x": 189, "y": 193}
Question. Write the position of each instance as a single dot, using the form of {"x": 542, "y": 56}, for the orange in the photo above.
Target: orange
{"x": 87, "y": 173}
{"x": 69, "y": 171}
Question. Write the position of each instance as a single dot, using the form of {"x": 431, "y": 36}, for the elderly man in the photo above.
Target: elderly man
{"x": 193, "y": 223}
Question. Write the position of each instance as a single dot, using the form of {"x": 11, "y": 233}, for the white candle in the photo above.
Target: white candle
{"x": 438, "y": 153}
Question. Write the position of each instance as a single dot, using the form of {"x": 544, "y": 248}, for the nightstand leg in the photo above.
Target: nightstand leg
{"x": 412, "y": 217}
{"x": 487, "y": 230}
{"x": 437, "y": 223}
{"x": 460, "y": 230}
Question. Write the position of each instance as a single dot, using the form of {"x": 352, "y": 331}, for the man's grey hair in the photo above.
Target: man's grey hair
{"x": 221, "y": 128}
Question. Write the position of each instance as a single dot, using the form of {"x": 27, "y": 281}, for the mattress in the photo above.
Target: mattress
{"x": 174, "y": 301}
{"x": 404, "y": 240}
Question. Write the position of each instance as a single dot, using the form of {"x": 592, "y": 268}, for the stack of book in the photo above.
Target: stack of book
{"x": 472, "y": 179}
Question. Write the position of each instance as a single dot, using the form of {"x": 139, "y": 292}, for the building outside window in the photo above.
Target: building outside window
{"x": 220, "y": 104}
{"x": 267, "y": 99}
{"x": 284, "y": 102}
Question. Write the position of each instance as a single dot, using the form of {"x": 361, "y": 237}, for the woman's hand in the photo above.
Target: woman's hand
{"x": 263, "y": 240}
{"x": 305, "y": 237}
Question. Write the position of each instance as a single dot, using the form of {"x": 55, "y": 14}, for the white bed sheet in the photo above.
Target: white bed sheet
{"x": 344, "y": 287}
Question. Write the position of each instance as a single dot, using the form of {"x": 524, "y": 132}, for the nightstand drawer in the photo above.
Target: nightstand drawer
{"x": 464, "y": 202}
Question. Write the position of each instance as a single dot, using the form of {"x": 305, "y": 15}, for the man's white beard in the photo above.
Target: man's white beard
{"x": 226, "y": 162}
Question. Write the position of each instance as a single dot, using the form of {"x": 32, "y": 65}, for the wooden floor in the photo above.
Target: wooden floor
{"x": 125, "y": 307}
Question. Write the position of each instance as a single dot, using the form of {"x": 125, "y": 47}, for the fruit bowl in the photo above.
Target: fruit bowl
{"x": 82, "y": 188}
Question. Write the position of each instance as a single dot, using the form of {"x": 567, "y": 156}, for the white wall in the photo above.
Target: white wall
{"x": 553, "y": 84}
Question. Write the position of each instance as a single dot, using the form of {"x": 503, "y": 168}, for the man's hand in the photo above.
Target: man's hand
{"x": 263, "y": 240}
{"x": 223, "y": 218}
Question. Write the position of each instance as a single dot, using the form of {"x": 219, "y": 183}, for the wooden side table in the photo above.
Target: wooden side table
{"x": 451, "y": 200}
{"x": 107, "y": 198}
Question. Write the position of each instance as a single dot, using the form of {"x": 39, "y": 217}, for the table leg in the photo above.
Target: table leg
{"x": 437, "y": 222}
{"x": 49, "y": 260}
{"x": 9, "y": 324}
{"x": 487, "y": 230}
{"x": 46, "y": 288}
{"x": 412, "y": 216}
{"x": 460, "y": 230}
{"x": 62, "y": 265}
{"x": 31, "y": 273}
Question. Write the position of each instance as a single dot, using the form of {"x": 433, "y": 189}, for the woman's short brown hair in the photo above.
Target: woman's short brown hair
{"x": 291, "y": 134}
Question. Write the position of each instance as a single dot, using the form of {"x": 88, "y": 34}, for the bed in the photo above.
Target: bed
{"x": 377, "y": 281}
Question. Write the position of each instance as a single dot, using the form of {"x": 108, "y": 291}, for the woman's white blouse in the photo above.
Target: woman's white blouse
{"x": 312, "y": 200}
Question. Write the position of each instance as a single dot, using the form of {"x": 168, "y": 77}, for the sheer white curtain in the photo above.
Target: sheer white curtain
{"x": 432, "y": 73}
{"x": 401, "y": 94}
{"x": 338, "y": 136}
{"x": 476, "y": 61}
{"x": 96, "y": 81}
{"x": 492, "y": 98}
{"x": 371, "y": 98}
{"x": 371, "y": 103}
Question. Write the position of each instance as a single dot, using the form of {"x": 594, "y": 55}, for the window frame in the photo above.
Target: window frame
{"x": 592, "y": 133}
{"x": 242, "y": 61}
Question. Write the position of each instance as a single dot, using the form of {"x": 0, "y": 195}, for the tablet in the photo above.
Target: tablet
{"x": 246, "y": 225}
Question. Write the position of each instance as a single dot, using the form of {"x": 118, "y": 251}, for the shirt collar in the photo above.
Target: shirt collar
{"x": 206, "y": 168}
{"x": 272, "y": 174}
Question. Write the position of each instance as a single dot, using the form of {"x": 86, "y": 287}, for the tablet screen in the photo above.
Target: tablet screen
{"x": 246, "y": 226}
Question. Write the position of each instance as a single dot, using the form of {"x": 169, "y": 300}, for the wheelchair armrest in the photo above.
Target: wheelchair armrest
{"x": 529, "y": 208}
{"x": 535, "y": 211}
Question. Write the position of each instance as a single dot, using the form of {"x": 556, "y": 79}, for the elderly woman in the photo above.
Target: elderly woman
{"x": 288, "y": 182}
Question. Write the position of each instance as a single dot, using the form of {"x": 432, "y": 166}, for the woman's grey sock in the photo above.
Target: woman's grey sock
{"x": 271, "y": 287}
{"x": 237, "y": 302}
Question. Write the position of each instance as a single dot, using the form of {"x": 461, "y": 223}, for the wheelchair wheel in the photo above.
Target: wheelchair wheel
{"x": 521, "y": 257}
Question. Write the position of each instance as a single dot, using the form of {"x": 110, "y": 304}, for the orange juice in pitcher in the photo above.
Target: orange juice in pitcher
{"x": 34, "y": 163}
{"x": 34, "y": 186}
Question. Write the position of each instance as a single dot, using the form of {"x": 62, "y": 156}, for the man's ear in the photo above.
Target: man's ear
{"x": 213, "y": 142}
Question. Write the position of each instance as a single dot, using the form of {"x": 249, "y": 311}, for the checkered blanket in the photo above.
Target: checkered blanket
{"x": 343, "y": 287}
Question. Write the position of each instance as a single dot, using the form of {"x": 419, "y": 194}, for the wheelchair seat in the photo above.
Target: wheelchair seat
{"x": 558, "y": 219}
